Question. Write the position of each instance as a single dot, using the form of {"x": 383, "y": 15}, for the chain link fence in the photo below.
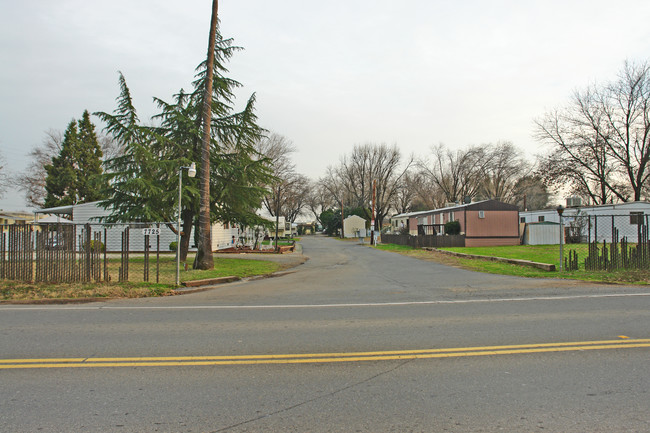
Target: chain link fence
{"x": 74, "y": 253}
{"x": 606, "y": 242}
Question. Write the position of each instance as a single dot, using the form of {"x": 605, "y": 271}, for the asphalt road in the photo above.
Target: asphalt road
{"x": 355, "y": 339}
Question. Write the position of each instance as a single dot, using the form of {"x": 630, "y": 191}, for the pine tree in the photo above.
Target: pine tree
{"x": 88, "y": 162}
{"x": 138, "y": 185}
{"x": 143, "y": 180}
{"x": 75, "y": 174}
{"x": 61, "y": 173}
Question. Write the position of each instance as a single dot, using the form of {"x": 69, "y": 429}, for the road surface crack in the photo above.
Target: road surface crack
{"x": 311, "y": 400}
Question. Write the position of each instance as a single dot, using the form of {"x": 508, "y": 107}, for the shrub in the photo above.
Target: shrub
{"x": 452, "y": 227}
{"x": 172, "y": 246}
{"x": 93, "y": 243}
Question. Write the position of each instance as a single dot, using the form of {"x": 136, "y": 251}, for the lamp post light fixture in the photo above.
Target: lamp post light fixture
{"x": 560, "y": 211}
{"x": 191, "y": 172}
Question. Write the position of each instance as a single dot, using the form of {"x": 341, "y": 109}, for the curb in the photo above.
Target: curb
{"x": 210, "y": 281}
{"x": 54, "y": 301}
{"x": 543, "y": 266}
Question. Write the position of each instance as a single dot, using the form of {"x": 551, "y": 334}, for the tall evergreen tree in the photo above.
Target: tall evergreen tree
{"x": 88, "y": 162}
{"x": 61, "y": 175}
{"x": 74, "y": 175}
{"x": 143, "y": 180}
{"x": 137, "y": 180}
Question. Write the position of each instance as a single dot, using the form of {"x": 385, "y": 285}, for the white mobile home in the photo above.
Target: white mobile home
{"x": 223, "y": 235}
{"x": 600, "y": 222}
{"x": 401, "y": 221}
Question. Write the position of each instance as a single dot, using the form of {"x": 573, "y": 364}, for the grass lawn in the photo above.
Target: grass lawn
{"x": 537, "y": 253}
{"x": 136, "y": 287}
{"x": 281, "y": 242}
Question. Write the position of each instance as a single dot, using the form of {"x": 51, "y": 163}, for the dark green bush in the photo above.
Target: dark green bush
{"x": 102, "y": 247}
{"x": 452, "y": 228}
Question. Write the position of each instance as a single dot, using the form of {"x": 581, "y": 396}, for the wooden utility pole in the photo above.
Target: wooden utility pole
{"x": 372, "y": 215}
{"x": 342, "y": 220}
{"x": 277, "y": 217}
{"x": 204, "y": 258}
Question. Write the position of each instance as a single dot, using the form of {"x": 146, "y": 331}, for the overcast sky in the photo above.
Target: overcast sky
{"x": 328, "y": 74}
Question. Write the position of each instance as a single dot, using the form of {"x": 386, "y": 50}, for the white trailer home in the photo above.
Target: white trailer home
{"x": 599, "y": 222}
{"x": 223, "y": 235}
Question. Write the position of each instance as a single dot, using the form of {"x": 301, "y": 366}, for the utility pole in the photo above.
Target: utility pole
{"x": 372, "y": 216}
{"x": 560, "y": 211}
{"x": 277, "y": 217}
{"x": 342, "y": 221}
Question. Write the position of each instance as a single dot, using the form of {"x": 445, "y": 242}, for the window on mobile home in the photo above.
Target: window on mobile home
{"x": 636, "y": 218}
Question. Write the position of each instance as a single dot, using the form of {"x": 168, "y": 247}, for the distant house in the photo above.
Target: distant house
{"x": 483, "y": 223}
{"x": 354, "y": 226}
{"x": 306, "y": 228}
{"x": 15, "y": 218}
{"x": 401, "y": 221}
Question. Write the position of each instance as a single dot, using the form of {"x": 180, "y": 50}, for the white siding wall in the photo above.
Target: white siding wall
{"x": 604, "y": 229}
{"x": 351, "y": 224}
{"x": 542, "y": 234}
{"x": 89, "y": 212}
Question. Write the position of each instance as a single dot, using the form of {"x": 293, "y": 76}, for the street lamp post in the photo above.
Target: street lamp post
{"x": 560, "y": 210}
{"x": 191, "y": 172}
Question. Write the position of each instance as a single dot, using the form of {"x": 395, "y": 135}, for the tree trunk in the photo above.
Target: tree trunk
{"x": 204, "y": 258}
{"x": 186, "y": 231}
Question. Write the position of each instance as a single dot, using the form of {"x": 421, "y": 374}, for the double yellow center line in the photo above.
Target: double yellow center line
{"x": 184, "y": 361}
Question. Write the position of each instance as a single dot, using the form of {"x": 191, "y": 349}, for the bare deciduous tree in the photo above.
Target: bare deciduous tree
{"x": 277, "y": 149}
{"x": 296, "y": 196}
{"x": 600, "y": 143}
{"x": 319, "y": 199}
{"x": 352, "y": 179}
{"x": 530, "y": 193}
{"x": 417, "y": 193}
{"x": 32, "y": 181}
{"x": 458, "y": 174}
{"x": 4, "y": 179}
{"x": 504, "y": 165}
{"x": 288, "y": 194}
{"x": 578, "y": 159}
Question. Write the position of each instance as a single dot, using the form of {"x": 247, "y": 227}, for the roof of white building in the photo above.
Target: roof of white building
{"x": 641, "y": 205}
{"x": 455, "y": 207}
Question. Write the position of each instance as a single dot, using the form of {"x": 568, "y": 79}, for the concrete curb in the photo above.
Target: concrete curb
{"x": 54, "y": 301}
{"x": 210, "y": 281}
{"x": 225, "y": 280}
{"x": 543, "y": 266}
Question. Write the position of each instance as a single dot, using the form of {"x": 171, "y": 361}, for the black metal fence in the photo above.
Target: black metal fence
{"x": 606, "y": 242}
{"x": 431, "y": 229}
{"x": 72, "y": 253}
{"x": 429, "y": 241}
